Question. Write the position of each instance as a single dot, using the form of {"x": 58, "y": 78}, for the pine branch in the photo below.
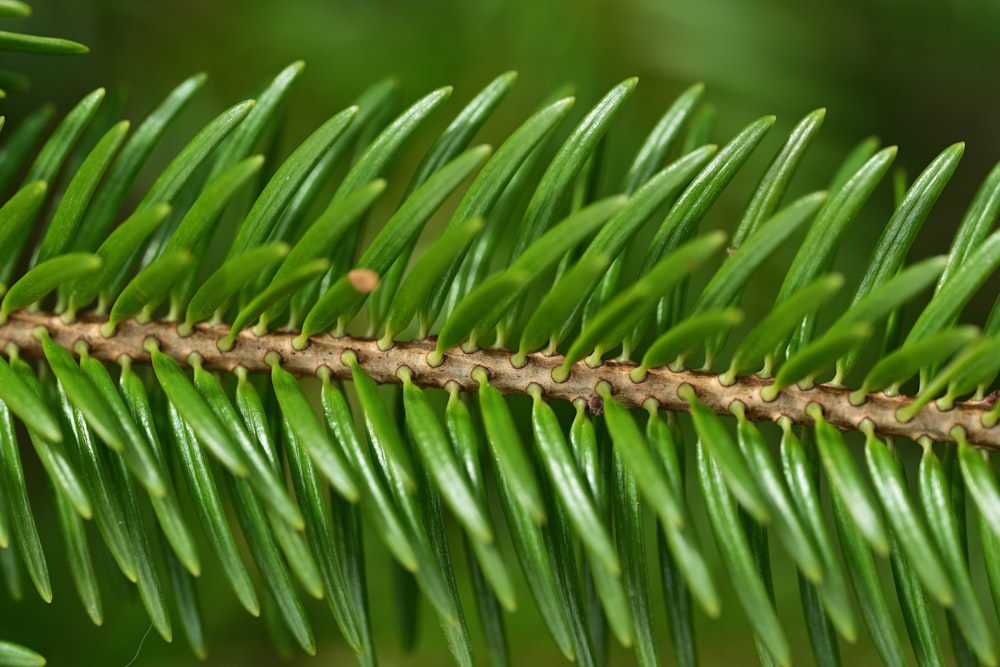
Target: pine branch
{"x": 86, "y": 298}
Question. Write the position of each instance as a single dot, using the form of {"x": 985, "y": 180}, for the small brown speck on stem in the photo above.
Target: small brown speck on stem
{"x": 363, "y": 280}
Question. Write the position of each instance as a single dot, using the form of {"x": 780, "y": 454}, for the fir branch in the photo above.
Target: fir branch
{"x": 80, "y": 298}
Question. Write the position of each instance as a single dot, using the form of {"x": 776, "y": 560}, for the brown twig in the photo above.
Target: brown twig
{"x": 661, "y": 384}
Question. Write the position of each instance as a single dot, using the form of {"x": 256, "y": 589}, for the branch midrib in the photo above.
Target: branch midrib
{"x": 661, "y": 384}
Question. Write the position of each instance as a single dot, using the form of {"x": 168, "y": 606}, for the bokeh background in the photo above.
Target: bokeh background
{"x": 921, "y": 74}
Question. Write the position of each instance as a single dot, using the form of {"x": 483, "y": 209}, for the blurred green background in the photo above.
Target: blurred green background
{"x": 918, "y": 74}
{"x": 921, "y": 74}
